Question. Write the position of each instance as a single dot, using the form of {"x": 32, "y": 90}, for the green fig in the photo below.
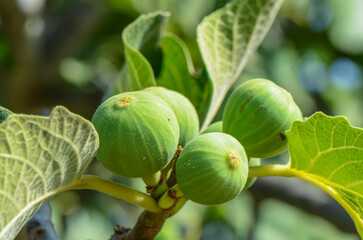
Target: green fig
{"x": 184, "y": 111}
{"x": 138, "y": 133}
{"x": 258, "y": 113}
{"x": 212, "y": 169}
{"x": 214, "y": 127}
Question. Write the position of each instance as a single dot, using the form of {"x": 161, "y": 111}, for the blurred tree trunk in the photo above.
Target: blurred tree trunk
{"x": 22, "y": 81}
{"x": 32, "y": 78}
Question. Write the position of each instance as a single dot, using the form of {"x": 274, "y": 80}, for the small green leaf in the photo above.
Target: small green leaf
{"x": 39, "y": 157}
{"x": 328, "y": 152}
{"x": 178, "y": 73}
{"x": 4, "y": 113}
{"x": 228, "y": 37}
{"x": 141, "y": 38}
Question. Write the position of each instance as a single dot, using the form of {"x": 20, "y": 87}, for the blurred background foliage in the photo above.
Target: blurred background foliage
{"x": 63, "y": 52}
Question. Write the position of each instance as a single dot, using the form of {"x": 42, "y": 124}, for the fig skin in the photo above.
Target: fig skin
{"x": 138, "y": 133}
{"x": 214, "y": 127}
{"x": 258, "y": 113}
{"x": 212, "y": 169}
{"x": 184, "y": 111}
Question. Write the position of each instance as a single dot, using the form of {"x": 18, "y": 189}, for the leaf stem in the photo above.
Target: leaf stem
{"x": 152, "y": 180}
{"x": 116, "y": 190}
{"x": 271, "y": 170}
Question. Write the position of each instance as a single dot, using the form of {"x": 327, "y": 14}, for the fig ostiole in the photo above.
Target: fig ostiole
{"x": 212, "y": 169}
{"x": 138, "y": 133}
{"x": 214, "y": 127}
{"x": 258, "y": 113}
{"x": 184, "y": 111}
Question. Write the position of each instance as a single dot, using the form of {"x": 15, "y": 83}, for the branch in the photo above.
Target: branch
{"x": 148, "y": 225}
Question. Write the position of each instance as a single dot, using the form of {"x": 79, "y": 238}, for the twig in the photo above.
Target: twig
{"x": 148, "y": 225}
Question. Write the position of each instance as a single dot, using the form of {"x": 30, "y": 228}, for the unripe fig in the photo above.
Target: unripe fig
{"x": 184, "y": 111}
{"x": 212, "y": 169}
{"x": 258, "y": 113}
{"x": 138, "y": 133}
{"x": 214, "y": 127}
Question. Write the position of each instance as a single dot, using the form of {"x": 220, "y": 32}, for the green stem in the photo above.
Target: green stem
{"x": 116, "y": 190}
{"x": 160, "y": 190}
{"x": 152, "y": 180}
{"x": 271, "y": 170}
{"x": 167, "y": 200}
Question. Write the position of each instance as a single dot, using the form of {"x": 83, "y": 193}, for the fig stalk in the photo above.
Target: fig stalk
{"x": 116, "y": 190}
{"x": 153, "y": 180}
{"x": 270, "y": 170}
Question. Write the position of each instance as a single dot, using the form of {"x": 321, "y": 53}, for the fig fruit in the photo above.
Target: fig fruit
{"x": 214, "y": 127}
{"x": 138, "y": 133}
{"x": 212, "y": 169}
{"x": 257, "y": 114}
{"x": 184, "y": 111}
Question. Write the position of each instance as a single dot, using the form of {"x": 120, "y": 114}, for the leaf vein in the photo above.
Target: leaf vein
{"x": 38, "y": 171}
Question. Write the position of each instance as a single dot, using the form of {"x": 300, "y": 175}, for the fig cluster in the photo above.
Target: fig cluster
{"x": 139, "y": 132}
{"x": 146, "y": 132}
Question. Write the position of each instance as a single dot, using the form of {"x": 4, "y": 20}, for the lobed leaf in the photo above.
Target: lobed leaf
{"x": 140, "y": 38}
{"x": 328, "y": 152}
{"x": 40, "y": 156}
{"x": 228, "y": 37}
{"x": 178, "y": 73}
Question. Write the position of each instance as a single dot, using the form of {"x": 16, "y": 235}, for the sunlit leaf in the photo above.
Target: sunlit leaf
{"x": 40, "y": 156}
{"x": 228, "y": 37}
{"x": 328, "y": 152}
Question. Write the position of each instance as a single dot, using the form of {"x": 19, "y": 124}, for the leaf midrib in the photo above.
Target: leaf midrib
{"x": 25, "y": 161}
{"x": 331, "y": 188}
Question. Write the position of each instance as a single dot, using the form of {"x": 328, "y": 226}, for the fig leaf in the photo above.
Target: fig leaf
{"x": 39, "y": 157}
{"x": 178, "y": 73}
{"x": 328, "y": 152}
{"x": 141, "y": 39}
{"x": 227, "y": 38}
